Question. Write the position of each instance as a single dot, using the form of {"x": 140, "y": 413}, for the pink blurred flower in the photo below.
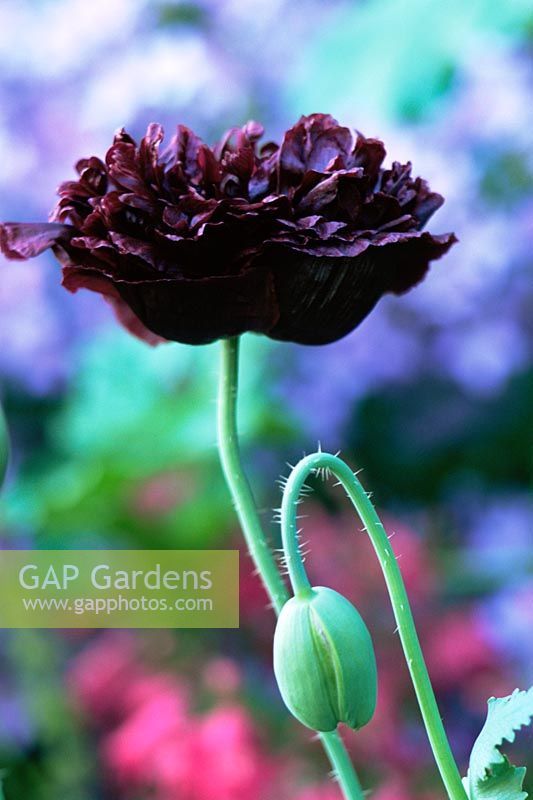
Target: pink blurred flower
{"x": 457, "y": 649}
{"x": 217, "y": 757}
{"x": 222, "y": 676}
{"x": 160, "y": 494}
{"x": 160, "y": 714}
{"x": 233, "y": 766}
{"x": 102, "y": 672}
{"x": 153, "y": 741}
{"x": 394, "y": 789}
{"x": 398, "y": 788}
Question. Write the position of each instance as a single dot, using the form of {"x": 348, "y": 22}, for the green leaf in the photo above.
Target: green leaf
{"x": 504, "y": 783}
{"x": 491, "y": 776}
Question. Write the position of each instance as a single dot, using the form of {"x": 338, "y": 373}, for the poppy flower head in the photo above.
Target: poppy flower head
{"x": 297, "y": 241}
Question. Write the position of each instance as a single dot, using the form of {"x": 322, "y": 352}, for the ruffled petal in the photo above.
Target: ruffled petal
{"x": 22, "y": 240}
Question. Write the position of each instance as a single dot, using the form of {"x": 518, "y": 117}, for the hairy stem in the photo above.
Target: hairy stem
{"x": 256, "y": 541}
{"x": 228, "y": 446}
{"x": 343, "y": 768}
{"x": 328, "y": 463}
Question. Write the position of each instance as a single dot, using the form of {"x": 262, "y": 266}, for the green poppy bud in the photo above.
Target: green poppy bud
{"x": 4, "y": 447}
{"x": 324, "y": 661}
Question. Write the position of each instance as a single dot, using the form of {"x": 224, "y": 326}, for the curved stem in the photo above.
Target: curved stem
{"x": 245, "y": 507}
{"x": 298, "y": 577}
{"x": 398, "y": 595}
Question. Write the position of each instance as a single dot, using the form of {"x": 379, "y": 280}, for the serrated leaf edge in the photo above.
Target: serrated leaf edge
{"x": 494, "y": 704}
{"x": 470, "y": 783}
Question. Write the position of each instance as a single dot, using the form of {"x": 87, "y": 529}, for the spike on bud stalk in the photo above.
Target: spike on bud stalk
{"x": 324, "y": 661}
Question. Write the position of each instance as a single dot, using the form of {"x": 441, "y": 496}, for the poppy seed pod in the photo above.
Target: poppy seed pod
{"x": 324, "y": 661}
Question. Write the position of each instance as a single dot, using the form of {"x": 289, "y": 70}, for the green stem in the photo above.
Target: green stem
{"x": 228, "y": 445}
{"x": 342, "y": 766}
{"x": 398, "y": 595}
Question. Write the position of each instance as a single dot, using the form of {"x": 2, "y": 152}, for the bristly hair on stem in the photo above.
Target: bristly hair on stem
{"x": 326, "y": 463}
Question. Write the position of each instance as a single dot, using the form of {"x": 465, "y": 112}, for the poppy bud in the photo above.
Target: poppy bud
{"x": 4, "y": 447}
{"x": 324, "y": 661}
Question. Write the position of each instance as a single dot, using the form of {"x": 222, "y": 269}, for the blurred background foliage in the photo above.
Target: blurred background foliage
{"x": 113, "y": 442}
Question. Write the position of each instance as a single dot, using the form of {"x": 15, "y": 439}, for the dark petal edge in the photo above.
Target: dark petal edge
{"x": 22, "y": 240}
{"x": 75, "y": 278}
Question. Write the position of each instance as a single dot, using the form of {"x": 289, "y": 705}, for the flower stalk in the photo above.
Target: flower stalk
{"x": 228, "y": 445}
{"x": 256, "y": 541}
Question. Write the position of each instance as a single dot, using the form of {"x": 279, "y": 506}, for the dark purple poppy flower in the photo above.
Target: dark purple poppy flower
{"x": 191, "y": 243}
